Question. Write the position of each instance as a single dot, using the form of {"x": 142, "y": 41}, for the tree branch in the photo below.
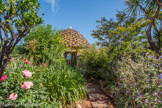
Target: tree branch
{"x": 144, "y": 11}
{"x": 11, "y": 31}
{"x": 10, "y": 10}
{"x": 155, "y": 27}
{"x": 157, "y": 1}
{"x": 13, "y": 15}
{"x": 13, "y": 46}
{"x": 1, "y": 30}
{"x": 157, "y": 12}
{"x": 6, "y": 34}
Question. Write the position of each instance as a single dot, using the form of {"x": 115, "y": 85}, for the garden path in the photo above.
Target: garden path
{"x": 96, "y": 97}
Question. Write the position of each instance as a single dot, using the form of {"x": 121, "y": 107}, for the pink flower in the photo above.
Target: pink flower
{"x": 4, "y": 77}
{"x": 11, "y": 58}
{"x": 27, "y": 85}
{"x": 29, "y": 62}
{"x": 27, "y": 73}
{"x": 25, "y": 62}
{"x": 44, "y": 64}
{"x": 13, "y": 96}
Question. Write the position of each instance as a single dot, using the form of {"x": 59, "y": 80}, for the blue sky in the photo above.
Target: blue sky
{"x": 81, "y": 15}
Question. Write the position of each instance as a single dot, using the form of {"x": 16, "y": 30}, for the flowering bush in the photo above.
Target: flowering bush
{"x": 138, "y": 82}
{"x": 13, "y": 88}
{"x": 41, "y": 87}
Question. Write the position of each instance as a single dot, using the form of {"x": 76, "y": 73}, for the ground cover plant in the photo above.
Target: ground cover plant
{"x": 138, "y": 80}
{"x": 143, "y": 78}
{"x": 27, "y": 85}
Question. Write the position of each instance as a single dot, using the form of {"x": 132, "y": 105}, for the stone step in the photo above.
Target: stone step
{"x": 97, "y": 96}
{"x": 94, "y": 97}
{"x": 90, "y": 89}
{"x": 99, "y": 104}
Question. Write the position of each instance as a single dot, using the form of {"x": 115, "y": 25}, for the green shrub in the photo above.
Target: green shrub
{"x": 93, "y": 62}
{"x": 97, "y": 64}
{"x": 44, "y": 44}
{"x": 64, "y": 84}
{"x": 53, "y": 86}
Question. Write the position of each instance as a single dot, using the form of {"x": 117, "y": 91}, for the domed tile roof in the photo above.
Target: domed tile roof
{"x": 73, "y": 38}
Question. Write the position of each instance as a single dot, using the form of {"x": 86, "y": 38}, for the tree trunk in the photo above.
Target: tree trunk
{"x": 2, "y": 67}
{"x": 148, "y": 33}
{"x": 1, "y": 71}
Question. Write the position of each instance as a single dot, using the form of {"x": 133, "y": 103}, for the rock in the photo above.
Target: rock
{"x": 92, "y": 89}
{"x": 99, "y": 104}
{"x": 78, "y": 106}
{"x": 95, "y": 97}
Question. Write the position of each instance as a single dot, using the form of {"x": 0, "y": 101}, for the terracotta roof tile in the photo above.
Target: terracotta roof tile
{"x": 73, "y": 38}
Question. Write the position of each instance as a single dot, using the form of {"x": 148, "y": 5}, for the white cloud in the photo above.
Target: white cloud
{"x": 127, "y": 1}
{"x": 53, "y": 3}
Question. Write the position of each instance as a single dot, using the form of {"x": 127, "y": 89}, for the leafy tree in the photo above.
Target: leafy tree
{"x": 151, "y": 9}
{"x": 43, "y": 44}
{"x": 17, "y": 17}
{"x": 118, "y": 35}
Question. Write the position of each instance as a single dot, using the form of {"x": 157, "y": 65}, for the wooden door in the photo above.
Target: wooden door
{"x": 71, "y": 58}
